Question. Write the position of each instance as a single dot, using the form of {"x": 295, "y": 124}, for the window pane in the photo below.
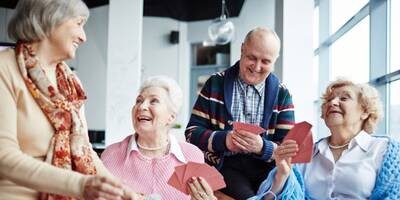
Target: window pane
{"x": 315, "y": 75}
{"x": 395, "y": 35}
{"x": 350, "y": 54}
{"x": 394, "y": 120}
{"x": 316, "y": 27}
{"x": 343, "y": 10}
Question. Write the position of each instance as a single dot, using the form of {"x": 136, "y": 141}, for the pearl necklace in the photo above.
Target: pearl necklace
{"x": 152, "y": 148}
{"x": 337, "y": 146}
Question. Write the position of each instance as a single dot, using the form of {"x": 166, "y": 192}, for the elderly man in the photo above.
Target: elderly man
{"x": 246, "y": 92}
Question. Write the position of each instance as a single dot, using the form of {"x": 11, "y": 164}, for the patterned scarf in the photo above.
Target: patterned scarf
{"x": 69, "y": 148}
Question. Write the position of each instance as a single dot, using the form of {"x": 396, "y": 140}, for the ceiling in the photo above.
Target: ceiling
{"x": 182, "y": 10}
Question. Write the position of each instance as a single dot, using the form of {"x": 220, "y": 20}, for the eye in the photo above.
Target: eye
{"x": 154, "y": 101}
{"x": 266, "y": 62}
{"x": 139, "y": 101}
{"x": 250, "y": 57}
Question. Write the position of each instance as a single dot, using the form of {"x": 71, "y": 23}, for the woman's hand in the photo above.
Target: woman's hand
{"x": 131, "y": 195}
{"x": 200, "y": 190}
{"x": 283, "y": 159}
{"x": 98, "y": 187}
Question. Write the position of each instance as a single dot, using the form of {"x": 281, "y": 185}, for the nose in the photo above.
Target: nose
{"x": 144, "y": 105}
{"x": 258, "y": 66}
{"x": 82, "y": 36}
{"x": 334, "y": 101}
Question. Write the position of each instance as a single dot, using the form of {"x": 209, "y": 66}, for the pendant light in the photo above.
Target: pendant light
{"x": 221, "y": 30}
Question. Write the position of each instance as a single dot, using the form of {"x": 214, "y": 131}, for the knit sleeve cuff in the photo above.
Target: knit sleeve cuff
{"x": 218, "y": 142}
{"x": 267, "y": 150}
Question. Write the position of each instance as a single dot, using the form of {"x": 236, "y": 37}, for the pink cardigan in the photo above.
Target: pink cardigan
{"x": 149, "y": 175}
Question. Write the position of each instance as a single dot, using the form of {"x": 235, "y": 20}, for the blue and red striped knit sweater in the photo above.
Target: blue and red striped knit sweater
{"x": 211, "y": 116}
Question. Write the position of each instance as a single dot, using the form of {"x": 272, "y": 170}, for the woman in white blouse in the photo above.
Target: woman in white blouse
{"x": 348, "y": 164}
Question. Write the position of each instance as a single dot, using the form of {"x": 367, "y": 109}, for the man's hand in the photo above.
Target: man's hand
{"x": 247, "y": 141}
{"x": 229, "y": 143}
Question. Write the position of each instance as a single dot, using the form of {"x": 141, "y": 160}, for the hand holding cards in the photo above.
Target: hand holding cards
{"x": 184, "y": 173}
{"x": 301, "y": 133}
{"x": 248, "y": 127}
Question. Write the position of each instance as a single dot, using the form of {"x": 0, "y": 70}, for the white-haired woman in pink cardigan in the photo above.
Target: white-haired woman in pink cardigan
{"x": 146, "y": 159}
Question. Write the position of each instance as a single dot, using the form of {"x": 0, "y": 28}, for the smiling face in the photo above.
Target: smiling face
{"x": 151, "y": 112}
{"x": 67, "y": 36}
{"x": 342, "y": 109}
{"x": 258, "y": 56}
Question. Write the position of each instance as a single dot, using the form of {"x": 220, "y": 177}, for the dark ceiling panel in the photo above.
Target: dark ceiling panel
{"x": 8, "y": 3}
{"x": 182, "y": 10}
{"x": 193, "y": 10}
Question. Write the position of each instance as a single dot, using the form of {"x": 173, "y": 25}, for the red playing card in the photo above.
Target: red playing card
{"x": 192, "y": 169}
{"x": 301, "y": 133}
{"x": 248, "y": 127}
{"x": 180, "y": 172}
{"x": 216, "y": 182}
{"x": 175, "y": 182}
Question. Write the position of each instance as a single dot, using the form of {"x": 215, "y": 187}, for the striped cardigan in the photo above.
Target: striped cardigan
{"x": 211, "y": 117}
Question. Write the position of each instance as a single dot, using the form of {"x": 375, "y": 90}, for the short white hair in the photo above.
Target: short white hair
{"x": 34, "y": 20}
{"x": 175, "y": 94}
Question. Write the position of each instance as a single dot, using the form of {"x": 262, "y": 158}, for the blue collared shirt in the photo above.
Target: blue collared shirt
{"x": 248, "y": 102}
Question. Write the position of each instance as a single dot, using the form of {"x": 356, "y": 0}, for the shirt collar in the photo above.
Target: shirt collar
{"x": 175, "y": 148}
{"x": 362, "y": 139}
{"x": 259, "y": 87}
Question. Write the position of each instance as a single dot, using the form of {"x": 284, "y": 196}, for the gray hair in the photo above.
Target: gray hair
{"x": 368, "y": 98}
{"x": 175, "y": 94}
{"x": 34, "y": 20}
{"x": 266, "y": 32}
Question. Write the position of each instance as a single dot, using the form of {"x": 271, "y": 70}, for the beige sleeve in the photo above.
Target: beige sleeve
{"x": 101, "y": 169}
{"x": 20, "y": 167}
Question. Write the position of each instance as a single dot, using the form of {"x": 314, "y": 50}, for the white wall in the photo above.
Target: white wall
{"x": 297, "y": 56}
{"x": 91, "y": 66}
{"x": 160, "y": 57}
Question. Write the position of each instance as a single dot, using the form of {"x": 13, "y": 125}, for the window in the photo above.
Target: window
{"x": 343, "y": 10}
{"x": 395, "y": 35}
{"x": 350, "y": 54}
{"x": 316, "y": 27}
{"x": 394, "y": 115}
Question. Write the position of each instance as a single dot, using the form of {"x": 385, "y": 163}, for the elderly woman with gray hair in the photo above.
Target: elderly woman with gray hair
{"x": 146, "y": 159}
{"x": 44, "y": 147}
{"x": 348, "y": 164}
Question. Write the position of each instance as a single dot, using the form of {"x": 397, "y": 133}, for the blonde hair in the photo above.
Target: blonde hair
{"x": 368, "y": 98}
{"x": 34, "y": 20}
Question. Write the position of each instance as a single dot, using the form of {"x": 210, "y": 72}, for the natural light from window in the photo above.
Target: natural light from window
{"x": 343, "y": 10}
{"x": 316, "y": 28}
{"x": 315, "y": 75}
{"x": 395, "y": 35}
{"x": 394, "y": 115}
{"x": 350, "y": 54}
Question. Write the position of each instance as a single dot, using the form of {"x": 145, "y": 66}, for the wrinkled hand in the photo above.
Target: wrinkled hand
{"x": 283, "y": 160}
{"x": 229, "y": 143}
{"x": 131, "y": 195}
{"x": 200, "y": 190}
{"x": 98, "y": 187}
{"x": 247, "y": 141}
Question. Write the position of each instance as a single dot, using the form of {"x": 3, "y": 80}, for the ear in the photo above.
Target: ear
{"x": 364, "y": 116}
{"x": 241, "y": 48}
{"x": 171, "y": 118}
